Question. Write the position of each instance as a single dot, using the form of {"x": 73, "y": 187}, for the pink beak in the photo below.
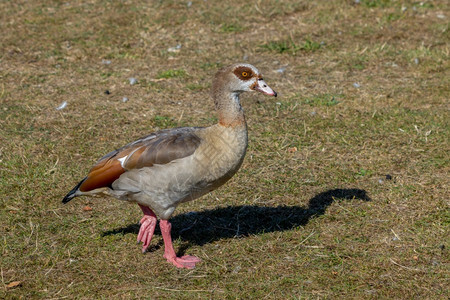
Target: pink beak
{"x": 262, "y": 87}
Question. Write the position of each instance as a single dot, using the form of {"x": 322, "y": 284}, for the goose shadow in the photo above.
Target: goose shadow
{"x": 199, "y": 228}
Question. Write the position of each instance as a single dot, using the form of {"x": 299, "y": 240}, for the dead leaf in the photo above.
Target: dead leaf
{"x": 14, "y": 284}
{"x": 292, "y": 149}
{"x": 87, "y": 208}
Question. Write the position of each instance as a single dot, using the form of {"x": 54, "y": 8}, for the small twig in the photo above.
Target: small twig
{"x": 3, "y": 280}
{"x": 404, "y": 267}
{"x": 31, "y": 233}
{"x": 181, "y": 116}
{"x": 56, "y": 213}
{"x": 37, "y": 237}
{"x": 207, "y": 257}
{"x": 307, "y": 238}
{"x": 49, "y": 270}
{"x": 258, "y": 9}
{"x": 395, "y": 234}
{"x": 175, "y": 290}
{"x": 63, "y": 297}
{"x": 60, "y": 292}
{"x": 374, "y": 113}
{"x": 237, "y": 221}
{"x": 187, "y": 228}
{"x": 52, "y": 169}
{"x": 344, "y": 208}
{"x": 237, "y": 231}
{"x": 3, "y": 90}
{"x": 363, "y": 50}
{"x": 189, "y": 273}
{"x": 226, "y": 228}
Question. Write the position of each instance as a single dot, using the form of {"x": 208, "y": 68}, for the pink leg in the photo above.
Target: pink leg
{"x": 148, "y": 224}
{"x": 186, "y": 261}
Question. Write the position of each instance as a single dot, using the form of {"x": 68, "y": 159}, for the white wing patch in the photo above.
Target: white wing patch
{"x": 122, "y": 161}
{"x": 150, "y": 137}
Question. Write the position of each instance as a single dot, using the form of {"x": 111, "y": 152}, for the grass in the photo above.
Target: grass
{"x": 344, "y": 189}
{"x": 290, "y": 46}
{"x": 228, "y": 28}
{"x": 171, "y": 74}
{"x": 377, "y": 3}
{"x": 325, "y": 99}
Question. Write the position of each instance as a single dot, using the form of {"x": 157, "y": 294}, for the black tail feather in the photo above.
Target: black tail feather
{"x": 71, "y": 194}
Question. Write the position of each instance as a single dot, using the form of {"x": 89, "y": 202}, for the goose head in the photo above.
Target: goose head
{"x": 238, "y": 78}
{"x": 228, "y": 84}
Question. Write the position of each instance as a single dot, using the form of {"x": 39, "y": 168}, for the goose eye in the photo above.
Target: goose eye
{"x": 243, "y": 73}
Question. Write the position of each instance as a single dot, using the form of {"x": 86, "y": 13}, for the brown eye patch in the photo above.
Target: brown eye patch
{"x": 243, "y": 73}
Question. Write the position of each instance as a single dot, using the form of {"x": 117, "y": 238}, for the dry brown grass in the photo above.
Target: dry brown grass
{"x": 320, "y": 222}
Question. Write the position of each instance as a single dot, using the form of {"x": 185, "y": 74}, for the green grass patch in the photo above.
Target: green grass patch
{"x": 195, "y": 87}
{"x": 377, "y": 3}
{"x": 310, "y": 45}
{"x": 175, "y": 73}
{"x": 280, "y": 47}
{"x": 291, "y": 47}
{"x": 323, "y": 100}
{"x": 230, "y": 28}
{"x": 164, "y": 121}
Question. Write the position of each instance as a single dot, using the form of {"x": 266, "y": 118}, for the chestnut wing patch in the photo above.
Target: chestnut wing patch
{"x": 103, "y": 174}
{"x": 158, "y": 148}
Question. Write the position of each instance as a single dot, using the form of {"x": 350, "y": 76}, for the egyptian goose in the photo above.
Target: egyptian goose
{"x": 172, "y": 166}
